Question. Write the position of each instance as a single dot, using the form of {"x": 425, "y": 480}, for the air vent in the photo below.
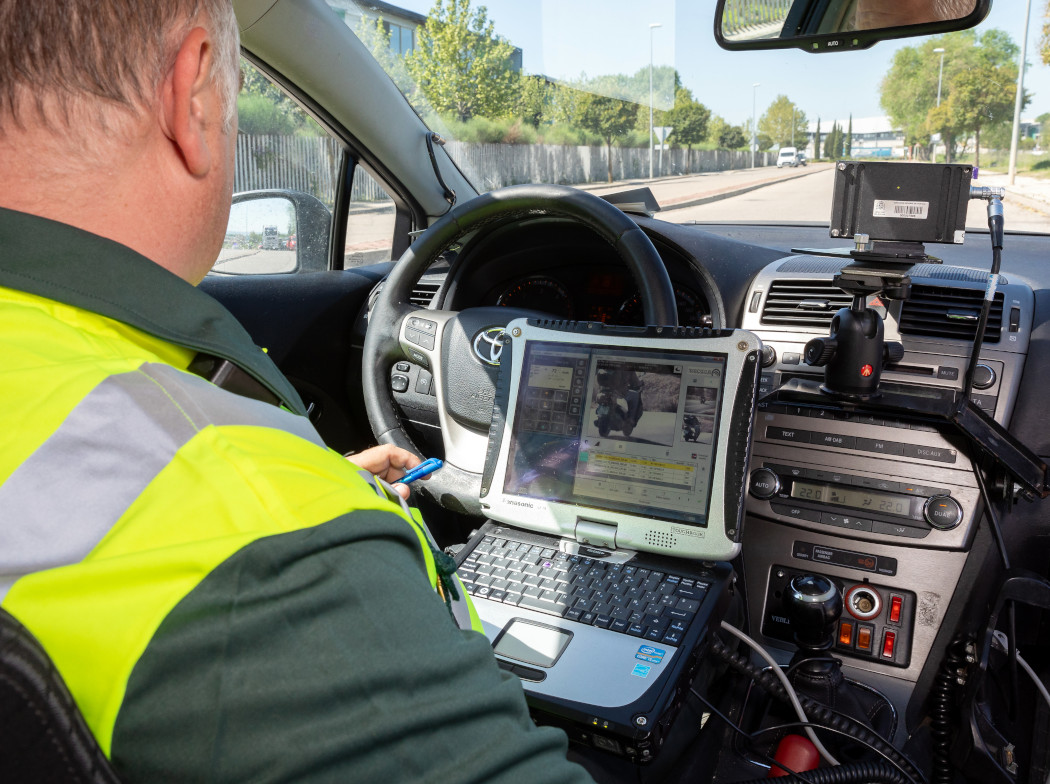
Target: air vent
{"x": 803, "y": 303}
{"x": 952, "y": 313}
{"x": 423, "y": 294}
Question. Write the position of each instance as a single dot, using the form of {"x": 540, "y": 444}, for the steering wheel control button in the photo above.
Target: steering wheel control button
{"x": 942, "y": 512}
{"x": 424, "y": 382}
{"x": 398, "y": 382}
{"x": 420, "y": 338}
{"x": 402, "y": 367}
{"x": 418, "y": 357}
{"x": 764, "y": 484}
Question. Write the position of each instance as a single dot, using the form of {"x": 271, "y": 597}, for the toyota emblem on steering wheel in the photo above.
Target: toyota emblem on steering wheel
{"x": 488, "y": 345}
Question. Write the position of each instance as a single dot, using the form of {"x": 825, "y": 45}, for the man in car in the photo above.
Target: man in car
{"x": 226, "y": 598}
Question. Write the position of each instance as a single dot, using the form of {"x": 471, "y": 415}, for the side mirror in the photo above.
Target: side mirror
{"x": 838, "y": 25}
{"x": 275, "y": 231}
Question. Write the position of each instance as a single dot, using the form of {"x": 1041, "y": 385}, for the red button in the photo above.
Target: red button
{"x": 887, "y": 644}
{"x": 895, "y": 609}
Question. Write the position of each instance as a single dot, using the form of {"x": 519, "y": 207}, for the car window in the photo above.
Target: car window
{"x": 370, "y": 222}
{"x": 522, "y": 97}
{"x": 283, "y": 158}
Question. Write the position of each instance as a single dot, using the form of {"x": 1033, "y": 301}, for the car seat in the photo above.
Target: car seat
{"x": 43, "y": 736}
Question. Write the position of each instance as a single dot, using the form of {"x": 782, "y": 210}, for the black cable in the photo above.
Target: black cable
{"x": 793, "y": 724}
{"x": 942, "y": 708}
{"x": 828, "y": 718}
{"x": 995, "y": 229}
{"x": 993, "y": 517}
{"x": 750, "y": 738}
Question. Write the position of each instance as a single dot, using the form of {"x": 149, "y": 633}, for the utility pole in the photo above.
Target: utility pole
{"x": 652, "y": 27}
{"x": 1020, "y": 93}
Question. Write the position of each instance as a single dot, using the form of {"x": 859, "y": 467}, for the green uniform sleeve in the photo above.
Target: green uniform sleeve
{"x": 324, "y": 655}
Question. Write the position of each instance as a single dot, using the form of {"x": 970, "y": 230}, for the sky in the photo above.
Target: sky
{"x": 554, "y": 36}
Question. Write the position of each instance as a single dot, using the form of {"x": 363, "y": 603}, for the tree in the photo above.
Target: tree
{"x": 909, "y": 90}
{"x": 816, "y": 141}
{"x": 1044, "y": 41}
{"x": 980, "y": 99}
{"x": 833, "y": 142}
{"x": 534, "y": 100}
{"x": 263, "y": 109}
{"x": 607, "y": 117}
{"x": 460, "y": 64}
{"x": 783, "y": 123}
{"x": 375, "y": 35}
{"x": 847, "y": 149}
{"x": 732, "y": 138}
{"x": 688, "y": 118}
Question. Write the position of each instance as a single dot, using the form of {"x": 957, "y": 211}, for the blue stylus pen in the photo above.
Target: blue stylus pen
{"x": 428, "y": 466}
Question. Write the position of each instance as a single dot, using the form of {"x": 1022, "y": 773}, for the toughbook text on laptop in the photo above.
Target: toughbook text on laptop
{"x": 614, "y": 483}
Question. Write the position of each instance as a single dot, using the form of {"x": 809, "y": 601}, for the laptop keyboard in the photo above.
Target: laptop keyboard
{"x": 632, "y": 600}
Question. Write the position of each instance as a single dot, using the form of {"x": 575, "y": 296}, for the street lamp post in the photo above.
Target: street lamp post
{"x": 1017, "y": 99}
{"x": 754, "y": 121}
{"x": 652, "y": 27}
{"x": 940, "y": 75}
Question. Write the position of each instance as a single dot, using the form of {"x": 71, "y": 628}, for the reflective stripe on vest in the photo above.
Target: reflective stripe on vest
{"x": 99, "y": 461}
{"x": 128, "y": 452}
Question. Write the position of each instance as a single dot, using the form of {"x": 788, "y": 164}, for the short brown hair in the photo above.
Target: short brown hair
{"x": 53, "y": 52}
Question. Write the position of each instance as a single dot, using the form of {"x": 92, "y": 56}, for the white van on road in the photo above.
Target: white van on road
{"x": 788, "y": 157}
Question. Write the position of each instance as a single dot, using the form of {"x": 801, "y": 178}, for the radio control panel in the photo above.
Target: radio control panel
{"x": 812, "y": 468}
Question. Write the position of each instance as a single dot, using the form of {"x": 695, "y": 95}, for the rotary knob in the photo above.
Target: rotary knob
{"x": 983, "y": 377}
{"x": 942, "y": 512}
{"x": 819, "y": 351}
{"x": 764, "y": 484}
{"x": 892, "y": 351}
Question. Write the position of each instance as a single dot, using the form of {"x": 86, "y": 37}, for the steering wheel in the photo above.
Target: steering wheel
{"x": 461, "y": 349}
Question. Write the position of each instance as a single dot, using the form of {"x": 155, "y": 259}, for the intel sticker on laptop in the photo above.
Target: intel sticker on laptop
{"x": 641, "y": 670}
{"x": 650, "y": 654}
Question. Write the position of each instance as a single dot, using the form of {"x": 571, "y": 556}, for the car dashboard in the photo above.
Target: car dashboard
{"x": 887, "y": 507}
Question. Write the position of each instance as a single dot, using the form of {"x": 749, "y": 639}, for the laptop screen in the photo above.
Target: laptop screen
{"x": 618, "y": 428}
{"x": 624, "y": 437}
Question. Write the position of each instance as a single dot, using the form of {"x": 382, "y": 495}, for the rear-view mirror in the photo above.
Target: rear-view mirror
{"x": 837, "y": 25}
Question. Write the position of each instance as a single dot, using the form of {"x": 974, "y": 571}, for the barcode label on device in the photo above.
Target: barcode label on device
{"x": 918, "y": 210}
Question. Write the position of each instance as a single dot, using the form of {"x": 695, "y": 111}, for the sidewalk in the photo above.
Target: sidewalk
{"x": 689, "y": 190}
{"x": 1031, "y": 193}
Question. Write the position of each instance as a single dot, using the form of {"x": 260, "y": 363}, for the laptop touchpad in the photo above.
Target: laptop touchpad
{"x": 532, "y": 643}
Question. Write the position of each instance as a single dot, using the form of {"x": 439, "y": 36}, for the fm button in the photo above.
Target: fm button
{"x": 764, "y": 484}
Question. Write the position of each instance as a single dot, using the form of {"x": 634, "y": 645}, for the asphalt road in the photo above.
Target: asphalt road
{"x": 808, "y": 198}
{"x": 254, "y": 262}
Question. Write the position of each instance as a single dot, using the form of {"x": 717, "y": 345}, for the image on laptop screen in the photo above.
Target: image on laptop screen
{"x": 622, "y": 429}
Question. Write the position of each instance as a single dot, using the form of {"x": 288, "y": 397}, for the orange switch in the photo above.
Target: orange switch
{"x": 846, "y": 633}
{"x": 888, "y": 641}
{"x": 896, "y": 603}
{"x": 864, "y": 638}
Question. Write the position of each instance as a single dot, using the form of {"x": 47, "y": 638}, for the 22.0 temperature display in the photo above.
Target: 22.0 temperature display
{"x": 886, "y": 503}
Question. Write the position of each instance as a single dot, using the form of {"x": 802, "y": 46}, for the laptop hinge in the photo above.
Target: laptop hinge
{"x": 596, "y": 534}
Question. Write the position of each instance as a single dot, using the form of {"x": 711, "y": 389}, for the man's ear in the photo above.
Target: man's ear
{"x": 188, "y": 101}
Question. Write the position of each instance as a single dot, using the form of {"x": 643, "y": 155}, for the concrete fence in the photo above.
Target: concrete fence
{"x": 311, "y": 164}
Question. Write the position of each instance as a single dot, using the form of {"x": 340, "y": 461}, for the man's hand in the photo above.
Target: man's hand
{"x": 388, "y": 462}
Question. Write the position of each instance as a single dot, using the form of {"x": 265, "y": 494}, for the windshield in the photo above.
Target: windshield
{"x": 614, "y": 95}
